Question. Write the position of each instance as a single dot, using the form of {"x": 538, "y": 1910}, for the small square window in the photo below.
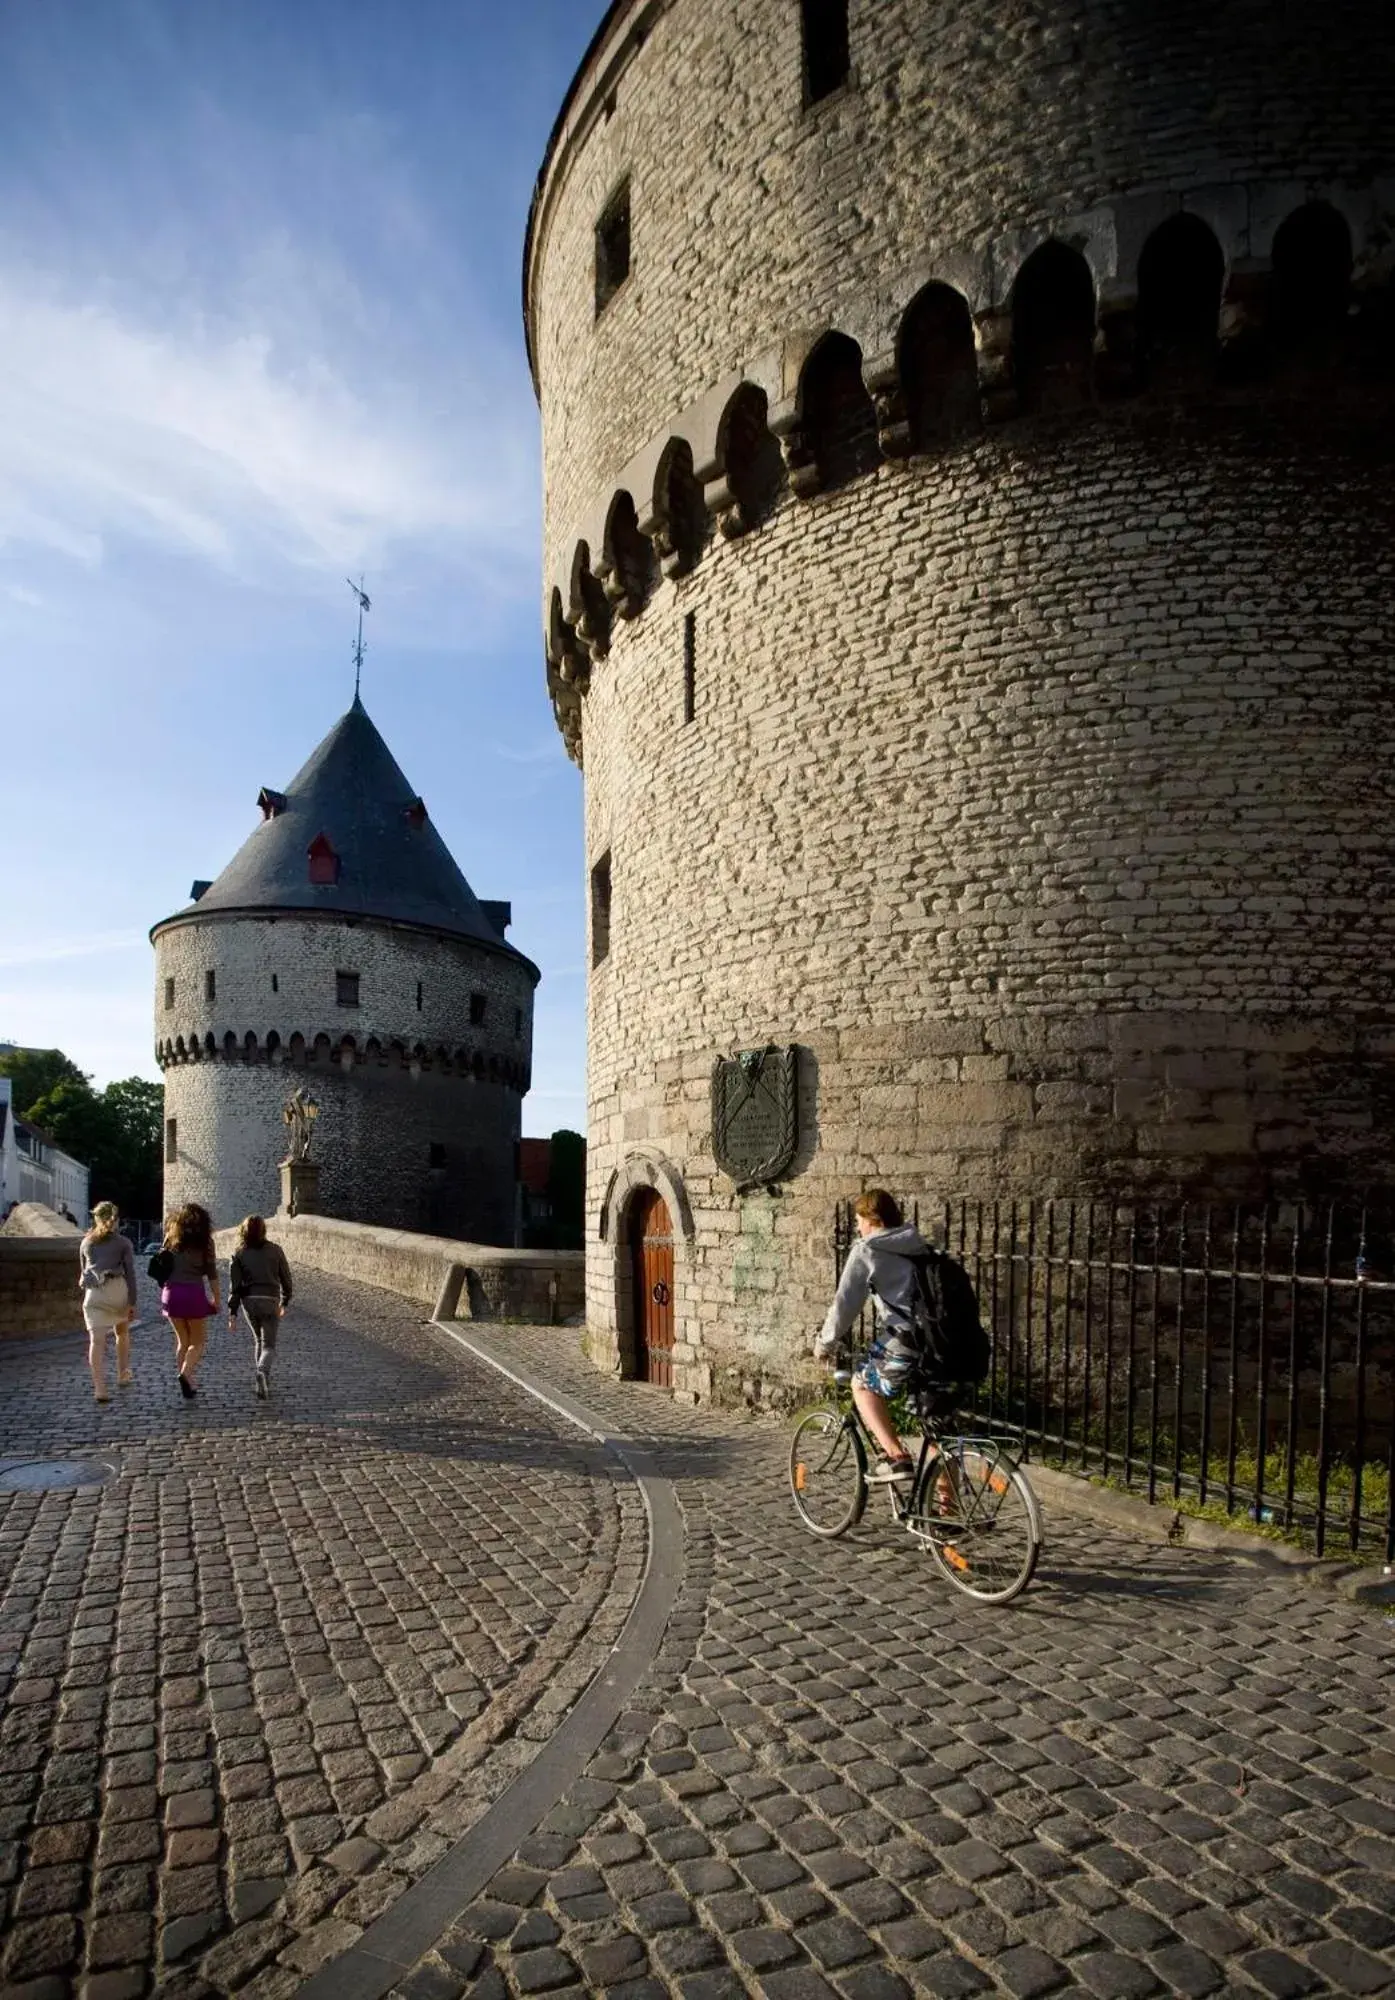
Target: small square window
{"x": 171, "y": 1141}
{"x": 476, "y": 1009}
{"x": 346, "y": 988}
{"x": 600, "y": 909}
{"x": 437, "y": 1155}
{"x": 210, "y": 986}
{"x": 169, "y": 993}
{"x": 827, "y": 54}
{"x": 613, "y": 247}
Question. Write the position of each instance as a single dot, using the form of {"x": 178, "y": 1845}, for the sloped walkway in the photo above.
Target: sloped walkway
{"x": 331, "y": 1625}
{"x": 1159, "y": 1772}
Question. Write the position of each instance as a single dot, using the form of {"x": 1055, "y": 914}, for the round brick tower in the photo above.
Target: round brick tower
{"x": 969, "y": 542}
{"x": 342, "y": 950}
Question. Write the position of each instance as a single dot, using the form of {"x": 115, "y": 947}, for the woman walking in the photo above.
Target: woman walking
{"x": 107, "y": 1276}
{"x": 184, "y": 1298}
{"x": 259, "y": 1282}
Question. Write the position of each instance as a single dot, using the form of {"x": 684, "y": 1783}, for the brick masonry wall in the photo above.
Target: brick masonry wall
{"x": 1036, "y": 790}
{"x": 970, "y": 134}
{"x": 39, "y": 1285}
{"x": 403, "y": 1081}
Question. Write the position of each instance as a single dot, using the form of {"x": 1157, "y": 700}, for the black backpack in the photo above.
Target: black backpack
{"x": 953, "y": 1344}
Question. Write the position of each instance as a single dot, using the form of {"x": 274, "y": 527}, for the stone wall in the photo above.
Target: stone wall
{"x": 39, "y": 1282}
{"x": 34, "y": 1218}
{"x": 421, "y": 1109}
{"x": 451, "y": 1280}
{"x": 1035, "y": 786}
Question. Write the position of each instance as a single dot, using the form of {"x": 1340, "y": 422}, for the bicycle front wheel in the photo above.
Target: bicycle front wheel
{"x": 982, "y": 1526}
{"x": 828, "y": 1473}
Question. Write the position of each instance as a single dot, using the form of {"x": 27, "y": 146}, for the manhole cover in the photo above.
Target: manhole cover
{"x": 52, "y": 1475}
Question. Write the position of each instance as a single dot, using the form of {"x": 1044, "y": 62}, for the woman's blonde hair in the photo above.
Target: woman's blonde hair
{"x": 105, "y": 1217}
{"x": 251, "y": 1232}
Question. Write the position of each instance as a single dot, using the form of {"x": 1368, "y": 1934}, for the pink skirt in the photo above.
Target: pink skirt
{"x": 185, "y": 1300}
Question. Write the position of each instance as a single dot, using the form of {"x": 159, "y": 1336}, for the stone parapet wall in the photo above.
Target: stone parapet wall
{"x": 39, "y": 1282}
{"x": 450, "y": 1279}
{"x": 34, "y": 1218}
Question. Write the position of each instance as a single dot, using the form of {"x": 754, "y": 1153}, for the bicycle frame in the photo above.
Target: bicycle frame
{"x": 947, "y": 1448}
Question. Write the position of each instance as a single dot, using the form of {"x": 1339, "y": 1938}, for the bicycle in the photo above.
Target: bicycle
{"x": 969, "y": 1505}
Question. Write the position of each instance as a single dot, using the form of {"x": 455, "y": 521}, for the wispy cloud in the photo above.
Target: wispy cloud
{"x": 46, "y": 952}
{"x": 207, "y": 440}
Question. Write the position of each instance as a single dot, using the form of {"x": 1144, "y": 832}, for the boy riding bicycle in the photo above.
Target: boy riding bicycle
{"x": 880, "y": 1264}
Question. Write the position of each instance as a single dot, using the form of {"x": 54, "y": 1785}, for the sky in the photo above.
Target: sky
{"x": 260, "y": 332}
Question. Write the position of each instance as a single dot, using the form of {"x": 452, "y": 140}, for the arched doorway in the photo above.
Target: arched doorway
{"x": 651, "y": 1266}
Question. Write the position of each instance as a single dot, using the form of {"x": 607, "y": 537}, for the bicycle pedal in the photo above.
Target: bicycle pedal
{"x": 954, "y": 1559}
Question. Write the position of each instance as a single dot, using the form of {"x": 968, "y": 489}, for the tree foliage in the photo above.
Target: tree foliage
{"x": 115, "y": 1132}
{"x": 566, "y": 1189}
{"x": 33, "y": 1073}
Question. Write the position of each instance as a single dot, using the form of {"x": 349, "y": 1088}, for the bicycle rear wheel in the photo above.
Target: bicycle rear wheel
{"x": 828, "y": 1472}
{"x": 988, "y": 1542}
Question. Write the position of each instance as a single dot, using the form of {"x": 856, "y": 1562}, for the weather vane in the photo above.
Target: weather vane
{"x": 363, "y": 605}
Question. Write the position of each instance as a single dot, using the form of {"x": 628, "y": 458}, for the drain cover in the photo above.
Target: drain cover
{"x": 52, "y": 1475}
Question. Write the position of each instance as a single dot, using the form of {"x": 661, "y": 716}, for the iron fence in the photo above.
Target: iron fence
{"x": 1238, "y": 1357}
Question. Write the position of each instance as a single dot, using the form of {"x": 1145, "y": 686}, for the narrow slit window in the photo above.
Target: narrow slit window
{"x": 518, "y": 1024}
{"x": 437, "y": 1154}
{"x": 827, "y": 53}
{"x": 171, "y": 1141}
{"x": 418, "y": 996}
{"x": 476, "y": 1009}
{"x": 210, "y": 986}
{"x": 613, "y": 247}
{"x": 346, "y": 988}
{"x": 689, "y": 665}
{"x": 275, "y": 984}
{"x": 169, "y": 993}
{"x": 600, "y": 910}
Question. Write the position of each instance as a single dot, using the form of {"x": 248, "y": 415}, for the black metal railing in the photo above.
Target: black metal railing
{"x": 1237, "y": 1357}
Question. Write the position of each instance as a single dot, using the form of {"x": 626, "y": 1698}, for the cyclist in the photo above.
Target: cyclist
{"x": 879, "y": 1264}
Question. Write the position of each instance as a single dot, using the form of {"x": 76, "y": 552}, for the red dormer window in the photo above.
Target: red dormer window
{"x": 271, "y": 803}
{"x": 415, "y": 813}
{"x": 324, "y": 862}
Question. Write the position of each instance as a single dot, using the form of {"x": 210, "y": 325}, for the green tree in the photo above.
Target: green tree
{"x": 115, "y": 1133}
{"x": 566, "y": 1189}
{"x": 33, "y": 1073}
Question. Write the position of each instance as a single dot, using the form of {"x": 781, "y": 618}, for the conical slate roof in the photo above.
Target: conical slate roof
{"x": 380, "y": 854}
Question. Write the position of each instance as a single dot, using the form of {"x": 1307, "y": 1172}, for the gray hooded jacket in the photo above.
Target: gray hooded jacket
{"x": 880, "y": 1265}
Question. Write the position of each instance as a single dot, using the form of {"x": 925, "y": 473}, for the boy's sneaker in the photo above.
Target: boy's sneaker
{"x": 890, "y": 1471}
{"x": 261, "y": 1384}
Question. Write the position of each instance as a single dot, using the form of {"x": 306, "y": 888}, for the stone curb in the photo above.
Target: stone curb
{"x": 1162, "y": 1521}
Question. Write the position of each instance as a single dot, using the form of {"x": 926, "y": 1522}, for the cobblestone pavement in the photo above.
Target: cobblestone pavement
{"x": 289, "y": 1651}
{"x": 268, "y": 1674}
{"x": 1159, "y": 1772}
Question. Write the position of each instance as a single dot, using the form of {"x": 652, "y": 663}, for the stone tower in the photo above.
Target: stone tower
{"x": 343, "y": 950}
{"x": 969, "y": 548}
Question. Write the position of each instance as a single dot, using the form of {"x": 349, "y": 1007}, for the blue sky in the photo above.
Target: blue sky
{"x": 259, "y": 330}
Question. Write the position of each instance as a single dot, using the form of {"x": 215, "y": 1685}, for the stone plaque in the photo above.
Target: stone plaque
{"x": 755, "y": 1114}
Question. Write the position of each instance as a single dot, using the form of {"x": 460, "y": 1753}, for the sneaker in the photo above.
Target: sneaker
{"x": 261, "y": 1384}
{"x": 187, "y": 1388}
{"x": 890, "y": 1471}
{"x": 101, "y": 1399}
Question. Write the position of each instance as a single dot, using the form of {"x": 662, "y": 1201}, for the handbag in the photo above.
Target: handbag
{"x": 160, "y": 1266}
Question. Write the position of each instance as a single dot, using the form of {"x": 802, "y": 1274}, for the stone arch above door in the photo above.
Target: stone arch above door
{"x": 645, "y": 1170}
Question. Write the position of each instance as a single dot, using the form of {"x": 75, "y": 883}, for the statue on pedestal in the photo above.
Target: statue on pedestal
{"x": 300, "y": 1175}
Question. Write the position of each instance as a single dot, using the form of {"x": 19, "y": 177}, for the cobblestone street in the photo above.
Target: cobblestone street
{"x": 267, "y": 1676}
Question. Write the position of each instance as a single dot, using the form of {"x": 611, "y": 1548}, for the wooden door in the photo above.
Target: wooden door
{"x": 651, "y": 1260}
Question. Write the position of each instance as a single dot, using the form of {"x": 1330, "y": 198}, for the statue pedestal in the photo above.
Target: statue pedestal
{"x": 300, "y": 1187}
